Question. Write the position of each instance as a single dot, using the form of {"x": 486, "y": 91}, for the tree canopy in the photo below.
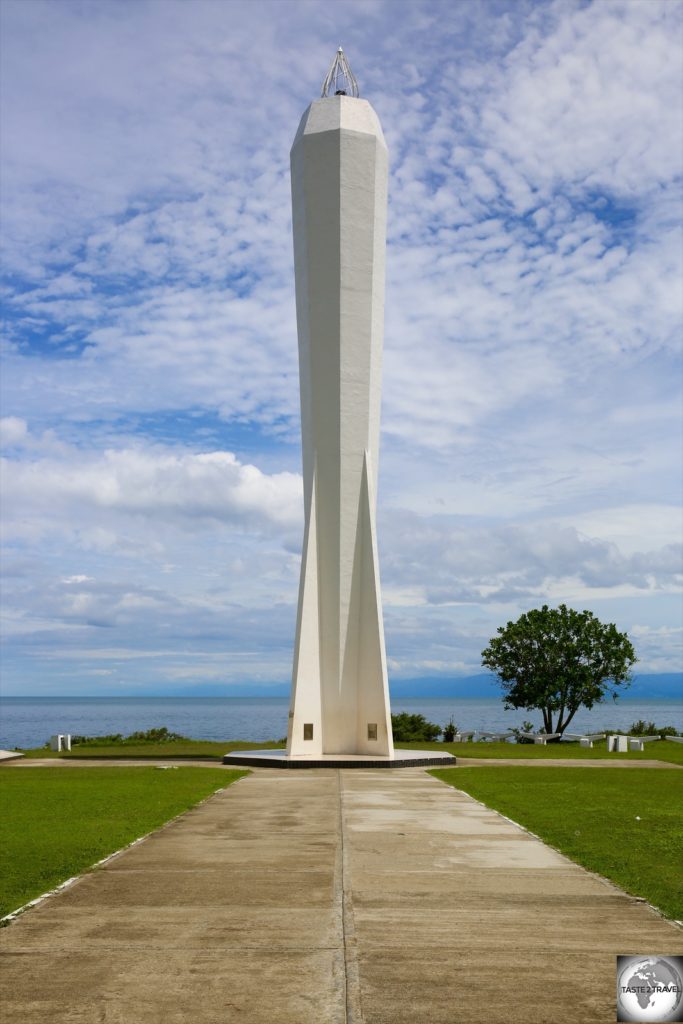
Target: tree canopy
{"x": 558, "y": 660}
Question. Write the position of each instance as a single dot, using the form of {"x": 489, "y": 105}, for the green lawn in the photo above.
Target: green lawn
{"x": 658, "y": 750}
{"x": 625, "y": 825}
{"x": 56, "y": 823}
{"x": 175, "y": 750}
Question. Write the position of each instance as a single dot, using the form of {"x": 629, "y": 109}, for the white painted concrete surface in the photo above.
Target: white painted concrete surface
{"x": 339, "y": 199}
{"x": 60, "y": 742}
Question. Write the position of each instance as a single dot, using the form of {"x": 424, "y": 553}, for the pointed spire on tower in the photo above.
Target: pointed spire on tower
{"x": 340, "y": 80}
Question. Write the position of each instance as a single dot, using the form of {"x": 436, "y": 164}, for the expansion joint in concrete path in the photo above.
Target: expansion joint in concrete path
{"x": 354, "y": 1011}
{"x": 330, "y": 897}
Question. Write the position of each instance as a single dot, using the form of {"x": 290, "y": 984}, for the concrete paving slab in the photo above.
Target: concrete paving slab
{"x": 352, "y": 897}
{"x": 73, "y": 927}
{"x": 182, "y": 988}
{"x": 231, "y": 912}
{"x": 461, "y": 916}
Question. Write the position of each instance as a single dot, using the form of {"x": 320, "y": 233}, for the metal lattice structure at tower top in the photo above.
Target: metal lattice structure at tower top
{"x": 339, "y": 714}
{"x": 340, "y": 80}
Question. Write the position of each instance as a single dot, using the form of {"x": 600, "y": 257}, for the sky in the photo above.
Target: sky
{"x": 531, "y": 420}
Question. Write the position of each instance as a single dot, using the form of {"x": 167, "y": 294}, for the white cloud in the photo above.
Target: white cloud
{"x": 48, "y": 494}
{"x": 12, "y": 431}
{"x": 448, "y": 560}
{"x": 596, "y": 101}
{"x": 531, "y": 409}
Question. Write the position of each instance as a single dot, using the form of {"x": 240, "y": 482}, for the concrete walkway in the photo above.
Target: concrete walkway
{"x": 330, "y": 897}
{"x": 463, "y": 762}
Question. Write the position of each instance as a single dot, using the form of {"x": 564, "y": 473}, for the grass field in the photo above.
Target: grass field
{"x": 661, "y": 750}
{"x": 626, "y": 826}
{"x": 56, "y": 824}
{"x": 658, "y": 750}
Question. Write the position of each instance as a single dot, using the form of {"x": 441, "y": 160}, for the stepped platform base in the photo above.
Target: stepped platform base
{"x": 279, "y": 759}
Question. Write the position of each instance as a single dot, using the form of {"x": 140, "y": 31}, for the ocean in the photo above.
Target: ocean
{"x": 30, "y": 721}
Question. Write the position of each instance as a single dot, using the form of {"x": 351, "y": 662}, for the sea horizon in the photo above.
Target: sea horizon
{"x": 28, "y": 721}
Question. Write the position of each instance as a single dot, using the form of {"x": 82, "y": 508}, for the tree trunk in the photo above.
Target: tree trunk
{"x": 561, "y": 726}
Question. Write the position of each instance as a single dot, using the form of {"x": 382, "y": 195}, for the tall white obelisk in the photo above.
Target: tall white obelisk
{"x": 340, "y": 698}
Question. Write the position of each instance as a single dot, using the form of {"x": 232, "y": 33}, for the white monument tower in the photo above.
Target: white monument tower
{"x": 340, "y": 698}
{"x": 339, "y": 715}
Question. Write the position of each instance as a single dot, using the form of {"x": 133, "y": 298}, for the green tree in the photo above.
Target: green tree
{"x": 449, "y": 730}
{"x": 558, "y": 660}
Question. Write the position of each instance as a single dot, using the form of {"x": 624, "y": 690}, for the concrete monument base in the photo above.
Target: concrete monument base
{"x": 280, "y": 759}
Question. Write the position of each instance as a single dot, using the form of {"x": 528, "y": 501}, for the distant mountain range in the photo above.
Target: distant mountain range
{"x": 661, "y": 686}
